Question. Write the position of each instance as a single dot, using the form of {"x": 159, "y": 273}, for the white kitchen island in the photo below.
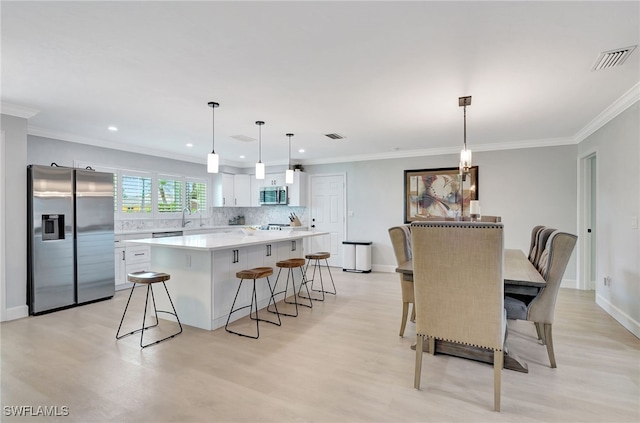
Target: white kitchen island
{"x": 203, "y": 271}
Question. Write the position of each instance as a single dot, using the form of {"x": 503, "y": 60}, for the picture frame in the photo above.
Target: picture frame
{"x": 430, "y": 193}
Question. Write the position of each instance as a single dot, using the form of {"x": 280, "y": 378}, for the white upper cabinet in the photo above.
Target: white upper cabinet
{"x": 242, "y": 190}
{"x": 231, "y": 190}
{"x": 299, "y": 191}
{"x": 274, "y": 180}
{"x": 255, "y": 190}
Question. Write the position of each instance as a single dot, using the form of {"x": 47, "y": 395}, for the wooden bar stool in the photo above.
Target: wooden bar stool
{"x": 323, "y": 255}
{"x": 148, "y": 278}
{"x": 255, "y": 273}
{"x": 291, "y": 264}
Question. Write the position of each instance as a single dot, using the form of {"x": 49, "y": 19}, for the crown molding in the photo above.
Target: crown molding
{"x": 620, "y": 105}
{"x": 65, "y": 136}
{"x": 514, "y": 145}
{"x": 18, "y": 111}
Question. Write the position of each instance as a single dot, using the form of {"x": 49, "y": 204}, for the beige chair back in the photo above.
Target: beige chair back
{"x": 533, "y": 247}
{"x": 551, "y": 265}
{"x": 459, "y": 287}
{"x": 491, "y": 219}
{"x": 401, "y": 241}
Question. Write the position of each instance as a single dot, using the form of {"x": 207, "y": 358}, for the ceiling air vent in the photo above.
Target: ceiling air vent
{"x": 242, "y": 138}
{"x": 611, "y": 58}
{"x": 335, "y": 136}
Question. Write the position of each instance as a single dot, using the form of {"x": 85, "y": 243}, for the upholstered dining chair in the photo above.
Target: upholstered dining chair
{"x": 401, "y": 242}
{"x": 541, "y": 309}
{"x": 459, "y": 288}
{"x": 533, "y": 246}
{"x": 541, "y": 242}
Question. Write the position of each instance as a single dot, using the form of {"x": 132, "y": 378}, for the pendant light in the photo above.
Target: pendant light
{"x": 465, "y": 154}
{"x": 260, "y": 165}
{"x": 213, "y": 159}
{"x": 288, "y": 175}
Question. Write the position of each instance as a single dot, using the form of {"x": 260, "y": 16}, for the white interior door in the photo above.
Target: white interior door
{"x": 328, "y": 215}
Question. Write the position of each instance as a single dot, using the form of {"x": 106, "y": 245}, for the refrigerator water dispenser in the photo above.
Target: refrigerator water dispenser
{"x": 52, "y": 227}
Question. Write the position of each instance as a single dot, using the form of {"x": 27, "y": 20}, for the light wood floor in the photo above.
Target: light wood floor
{"x": 342, "y": 361}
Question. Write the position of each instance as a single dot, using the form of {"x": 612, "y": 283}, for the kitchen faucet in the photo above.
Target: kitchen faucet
{"x": 184, "y": 222}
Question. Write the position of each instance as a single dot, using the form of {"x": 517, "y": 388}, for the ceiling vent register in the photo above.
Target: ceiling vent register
{"x": 612, "y": 58}
{"x": 335, "y": 136}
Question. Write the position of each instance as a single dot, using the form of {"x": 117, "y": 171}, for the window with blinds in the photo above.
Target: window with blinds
{"x": 196, "y": 195}
{"x": 136, "y": 194}
{"x": 169, "y": 196}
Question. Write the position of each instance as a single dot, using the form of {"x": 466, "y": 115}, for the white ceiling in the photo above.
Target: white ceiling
{"x": 387, "y": 75}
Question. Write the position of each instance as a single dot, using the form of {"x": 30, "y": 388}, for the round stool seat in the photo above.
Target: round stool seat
{"x": 255, "y": 273}
{"x": 147, "y": 277}
{"x": 291, "y": 263}
{"x": 323, "y": 255}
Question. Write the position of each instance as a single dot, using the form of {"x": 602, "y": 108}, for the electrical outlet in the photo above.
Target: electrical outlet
{"x": 607, "y": 281}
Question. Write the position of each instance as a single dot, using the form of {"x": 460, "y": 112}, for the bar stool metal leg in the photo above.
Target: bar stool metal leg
{"x": 317, "y": 266}
{"x": 290, "y": 264}
{"x": 148, "y": 278}
{"x": 253, "y": 306}
{"x": 118, "y": 336}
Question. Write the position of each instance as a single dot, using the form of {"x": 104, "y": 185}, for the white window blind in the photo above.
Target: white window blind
{"x": 169, "y": 195}
{"x": 136, "y": 194}
{"x": 196, "y": 196}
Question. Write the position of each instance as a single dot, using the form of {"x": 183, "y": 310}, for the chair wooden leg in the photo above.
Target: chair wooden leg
{"x": 432, "y": 345}
{"x": 413, "y": 312}
{"x": 498, "y": 357}
{"x": 418, "y": 368}
{"x": 549, "y": 342}
{"x": 403, "y": 322}
{"x": 540, "y": 332}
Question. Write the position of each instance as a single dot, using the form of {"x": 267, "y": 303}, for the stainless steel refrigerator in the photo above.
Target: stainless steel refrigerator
{"x": 70, "y": 237}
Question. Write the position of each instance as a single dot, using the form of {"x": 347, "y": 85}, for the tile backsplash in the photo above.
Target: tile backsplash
{"x": 219, "y": 216}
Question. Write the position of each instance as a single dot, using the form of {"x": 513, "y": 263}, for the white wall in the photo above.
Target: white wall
{"x": 526, "y": 187}
{"x": 617, "y": 147}
{"x": 15, "y": 216}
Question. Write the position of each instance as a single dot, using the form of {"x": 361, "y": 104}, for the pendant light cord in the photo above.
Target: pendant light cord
{"x": 465, "y": 127}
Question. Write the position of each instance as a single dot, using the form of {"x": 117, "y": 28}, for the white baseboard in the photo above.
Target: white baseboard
{"x": 569, "y": 283}
{"x": 385, "y": 268}
{"x": 14, "y": 313}
{"x": 622, "y": 318}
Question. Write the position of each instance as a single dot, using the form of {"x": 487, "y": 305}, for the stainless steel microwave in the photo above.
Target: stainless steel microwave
{"x": 273, "y": 195}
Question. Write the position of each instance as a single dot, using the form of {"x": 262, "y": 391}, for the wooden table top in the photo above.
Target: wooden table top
{"x": 518, "y": 270}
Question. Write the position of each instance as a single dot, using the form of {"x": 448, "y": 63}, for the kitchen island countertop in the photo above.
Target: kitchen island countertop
{"x": 225, "y": 240}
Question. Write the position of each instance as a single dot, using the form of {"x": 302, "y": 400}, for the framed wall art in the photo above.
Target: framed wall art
{"x": 432, "y": 193}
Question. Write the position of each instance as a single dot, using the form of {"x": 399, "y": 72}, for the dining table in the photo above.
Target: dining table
{"x": 520, "y": 277}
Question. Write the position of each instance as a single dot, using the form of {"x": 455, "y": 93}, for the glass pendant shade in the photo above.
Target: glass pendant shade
{"x": 288, "y": 175}
{"x": 260, "y": 165}
{"x": 259, "y": 170}
{"x": 465, "y": 160}
{"x": 213, "y": 161}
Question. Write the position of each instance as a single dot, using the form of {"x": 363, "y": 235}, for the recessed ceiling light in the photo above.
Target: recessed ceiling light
{"x": 112, "y": 128}
{"x": 189, "y": 145}
{"x": 242, "y": 156}
{"x": 301, "y": 150}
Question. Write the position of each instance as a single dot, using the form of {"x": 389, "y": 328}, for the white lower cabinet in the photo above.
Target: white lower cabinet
{"x": 226, "y": 263}
{"x": 129, "y": 259}
{"x": 120, "y": 266}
